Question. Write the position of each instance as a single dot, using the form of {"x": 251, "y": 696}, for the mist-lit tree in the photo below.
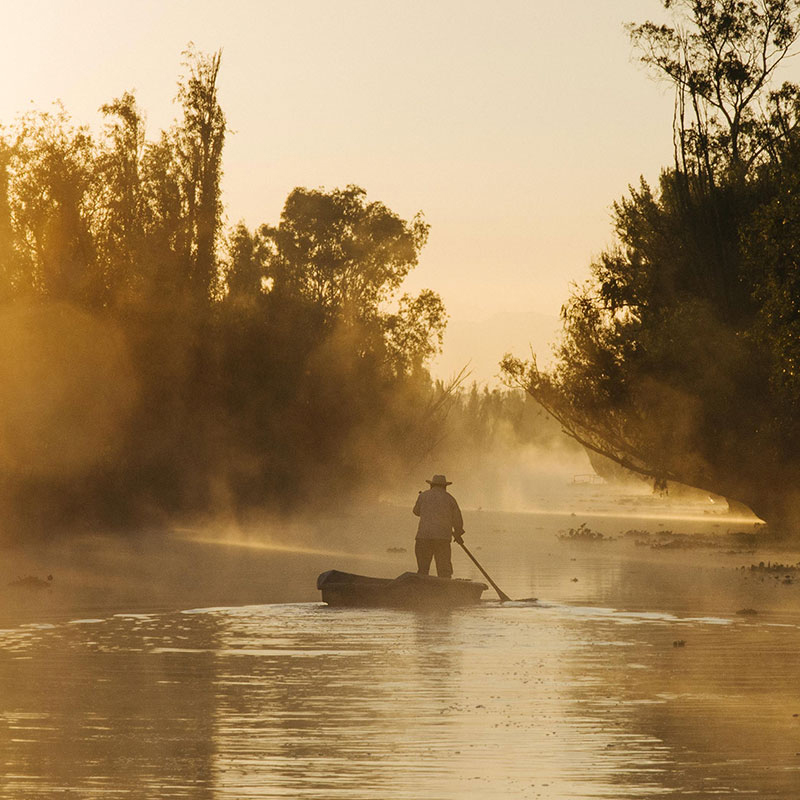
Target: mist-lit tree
{"x": 167, "y": 258}
{"x": 51, "y": 193}
{"x": 415, "y": 332}
{"x": 339, "y": 366}
{"x": 338, "y": 260}
{"x": 199, "y": 143}
{"x": 720, "y": 56}
{"x": 342, "y": 254}
{"x": 10, "y": 275}
{"x": 668, "y": 364}
{"x": 261, "y": 367}
{"x": 247, "y": 275}
{"x": 120, "y": 232}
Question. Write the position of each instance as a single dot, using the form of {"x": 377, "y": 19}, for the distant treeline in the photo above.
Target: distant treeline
{"x": 155, "y": 363}
{"x": 481, "y": 420}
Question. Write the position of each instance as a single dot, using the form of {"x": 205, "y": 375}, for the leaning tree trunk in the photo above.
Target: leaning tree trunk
{"x": 779, "y": 507}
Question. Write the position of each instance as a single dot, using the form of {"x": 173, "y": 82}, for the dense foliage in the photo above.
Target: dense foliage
{"x": 680, "y": 356}
{"x": 154, "y": 363}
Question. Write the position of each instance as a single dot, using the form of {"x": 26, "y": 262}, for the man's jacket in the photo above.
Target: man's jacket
{"x": 439, "y": 515}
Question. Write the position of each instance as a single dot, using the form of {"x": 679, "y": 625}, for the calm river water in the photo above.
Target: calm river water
{"x": 631, "y": 677}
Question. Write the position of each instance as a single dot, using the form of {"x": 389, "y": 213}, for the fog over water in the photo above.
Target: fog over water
{"x": 633, "y": 675}
{"x": 208, "y": 398}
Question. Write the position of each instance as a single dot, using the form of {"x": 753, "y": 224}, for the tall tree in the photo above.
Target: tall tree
{"x": 259, "y": 366}
{"x": 247, "y": 274}
{"x": 121, "y": 235}
{"x": 666, "y": 363}
{"x": 415, "y": 333}
{"x": 720, "y": 56}
{"x": 341, "y": 253}
{"x": 9, "y": 276}
{"x": 199, "y": 142}
{"x": 53, "y": 193}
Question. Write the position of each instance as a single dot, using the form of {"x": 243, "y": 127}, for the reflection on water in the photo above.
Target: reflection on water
{"x": 302, "y": 701}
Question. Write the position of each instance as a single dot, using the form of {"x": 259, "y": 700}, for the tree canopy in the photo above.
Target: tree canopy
{"x": 679, "y": 355}
{"x": 235, "y": 368}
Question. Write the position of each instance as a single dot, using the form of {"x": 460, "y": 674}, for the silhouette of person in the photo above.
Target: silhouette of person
{"x": 439, "y": 520}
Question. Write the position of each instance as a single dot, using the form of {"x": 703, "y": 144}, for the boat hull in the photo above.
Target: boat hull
{"x": 409, "y": 590}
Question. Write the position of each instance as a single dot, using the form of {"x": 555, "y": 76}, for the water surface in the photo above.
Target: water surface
{"x": 631, "y": 677}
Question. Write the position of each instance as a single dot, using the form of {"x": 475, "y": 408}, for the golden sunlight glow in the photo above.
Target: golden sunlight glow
{"x": 513, "y": 130}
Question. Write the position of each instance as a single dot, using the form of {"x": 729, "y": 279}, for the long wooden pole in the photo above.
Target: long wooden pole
{"x": 504, "y": 598}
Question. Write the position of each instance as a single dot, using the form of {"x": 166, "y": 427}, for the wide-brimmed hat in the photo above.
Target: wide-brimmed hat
{"x": 439, "y": 480}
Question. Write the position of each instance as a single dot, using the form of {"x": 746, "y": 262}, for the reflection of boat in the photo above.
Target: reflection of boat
{"x": 407, "y": 590}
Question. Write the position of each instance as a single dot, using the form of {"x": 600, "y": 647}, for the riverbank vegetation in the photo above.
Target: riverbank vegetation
{"x": 680, "y": 357}
{"x": 157, "y": 363}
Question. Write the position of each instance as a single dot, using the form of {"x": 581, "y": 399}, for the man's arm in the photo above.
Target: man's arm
{"x": 415, "y": 510}
{"x": 458, "y": 521}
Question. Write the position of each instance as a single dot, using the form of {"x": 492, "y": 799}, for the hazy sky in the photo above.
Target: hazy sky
{"x": 513, "y": 124}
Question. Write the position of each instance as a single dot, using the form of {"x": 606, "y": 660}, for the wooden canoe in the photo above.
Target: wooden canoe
{"x": 408, "y": 590}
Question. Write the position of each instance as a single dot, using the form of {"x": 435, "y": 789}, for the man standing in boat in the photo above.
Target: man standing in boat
{"x": 439, "y": 520}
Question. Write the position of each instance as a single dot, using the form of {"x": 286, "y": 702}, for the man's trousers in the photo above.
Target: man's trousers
{"x": 439, "y": 549}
